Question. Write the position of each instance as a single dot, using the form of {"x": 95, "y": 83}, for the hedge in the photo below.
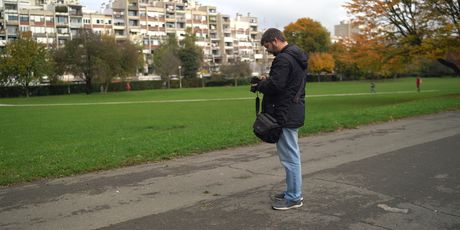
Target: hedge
{"x": 80, "y": 87}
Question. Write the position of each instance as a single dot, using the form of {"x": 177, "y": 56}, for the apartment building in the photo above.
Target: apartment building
{"x": 146, "y": 22}
{"x": 51, "y": 21}
{"x": 345, "y": 30}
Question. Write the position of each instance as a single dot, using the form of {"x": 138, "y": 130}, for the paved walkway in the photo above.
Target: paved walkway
{"x": 397, "y": 175}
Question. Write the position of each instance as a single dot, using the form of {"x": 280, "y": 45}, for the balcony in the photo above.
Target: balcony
{"x": 76, "y": 25}
{"x": 170, "y": 18}
{"x": 180, "y": 8}
{"x": 11, "y": 7}
{"x": 212, "y": 11}
{"x": 133, "y": 6}
{"x": 75, "y": 11}
{"x": 170, "y": 8}
{"x": 180, "y": 18}
{"x": 133, "y": 13}
{"x": 62, "y": 23}
{"x": 61, "y": 10}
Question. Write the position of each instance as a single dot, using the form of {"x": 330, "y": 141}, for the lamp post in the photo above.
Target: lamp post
{"x": 180, "y": 77}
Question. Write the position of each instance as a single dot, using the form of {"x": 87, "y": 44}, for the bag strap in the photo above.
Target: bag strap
{"x": 297, "y": 95}
{"x": 257, "y": 104}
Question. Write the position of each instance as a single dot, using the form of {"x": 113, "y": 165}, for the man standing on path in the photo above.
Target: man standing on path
{"x": 284, "y": 99}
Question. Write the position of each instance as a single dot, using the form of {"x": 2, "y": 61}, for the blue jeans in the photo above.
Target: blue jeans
{"x": 289, "y": 154}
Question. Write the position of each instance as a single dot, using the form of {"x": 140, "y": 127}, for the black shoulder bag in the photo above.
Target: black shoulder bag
{"x": 265, "y": 126}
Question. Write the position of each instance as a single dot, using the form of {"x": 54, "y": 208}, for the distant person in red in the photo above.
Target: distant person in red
{"x": 128, "y": 86}
{"x": 418, "y": 82}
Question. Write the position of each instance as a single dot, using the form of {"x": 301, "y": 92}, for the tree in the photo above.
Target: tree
{"x": 132, "y": 58}
{"x": 364, "y": 56}
{"x": 412, "y": 27}
{"x": 107, "y": 62}
{"x": 190, "y": 55}
{"x": 445, "y": 44}
{"x": 93, "y": 57}
{"x": 321, "y": 62}
{"x": 3, "y": 71}
{"x": 236, "y": 70}
{"x": 80, "y": 57}
{"x": 309, "y": 35}
{"x": 345, "y": 66}
{"x": 166, "y": 59}
{"x": 116, "y": 59}
{"x": 25, "y": 61}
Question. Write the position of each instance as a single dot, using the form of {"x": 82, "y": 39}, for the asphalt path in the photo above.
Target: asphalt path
{"x": 402, "y": 174}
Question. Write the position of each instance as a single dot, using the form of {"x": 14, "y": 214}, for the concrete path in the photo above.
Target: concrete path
{"x": 397, "y": 175}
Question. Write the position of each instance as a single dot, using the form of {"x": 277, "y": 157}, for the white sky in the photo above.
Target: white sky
{"x": 273, "y": 13}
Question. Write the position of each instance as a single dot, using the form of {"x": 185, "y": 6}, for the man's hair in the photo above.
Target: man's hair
{"x": 272, "y": 34}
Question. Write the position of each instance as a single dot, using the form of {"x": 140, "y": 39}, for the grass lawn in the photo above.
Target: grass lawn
{"x": 47, "y": 137}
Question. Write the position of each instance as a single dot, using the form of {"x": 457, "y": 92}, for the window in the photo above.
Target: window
{"x": 12, "y": 17}
{"x": 39, "y": 30}
{"x": 24, "y": 18}
{"x": 24, "y": 28}
{"x": 62, "y": 20}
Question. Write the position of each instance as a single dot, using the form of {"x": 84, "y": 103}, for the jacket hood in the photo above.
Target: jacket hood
{"x": 298, "y": 55}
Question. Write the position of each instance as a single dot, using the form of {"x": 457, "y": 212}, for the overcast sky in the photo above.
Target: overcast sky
{"x": 273, "y": 13}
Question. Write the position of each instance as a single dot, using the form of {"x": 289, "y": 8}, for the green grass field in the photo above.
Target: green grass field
{"x": 47, "y": 137}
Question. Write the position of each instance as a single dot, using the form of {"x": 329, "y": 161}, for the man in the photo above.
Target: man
{"x": 418, "y": 82}
{"x": 284, "y": 99}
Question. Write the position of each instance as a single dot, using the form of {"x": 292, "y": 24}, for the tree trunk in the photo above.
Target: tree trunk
{"x": 450, "y": 65}
{"x": 88, "y": 85}
{"x": 27, "y": 89}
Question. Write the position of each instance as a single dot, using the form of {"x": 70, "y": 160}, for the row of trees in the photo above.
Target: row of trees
{"x": 396, "y": 36}
{"x": 89, "y": 56}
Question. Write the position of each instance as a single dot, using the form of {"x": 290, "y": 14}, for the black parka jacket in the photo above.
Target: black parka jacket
{"x": 287, "y": 75}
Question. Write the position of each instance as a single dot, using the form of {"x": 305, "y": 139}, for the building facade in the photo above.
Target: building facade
{"x": 144, "y": 22}
{"x": 51, "y": 21}
{"x": 345, "y": 30}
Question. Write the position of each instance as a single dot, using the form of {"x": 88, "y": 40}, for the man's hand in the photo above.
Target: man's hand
{"x": 254, "y": 82}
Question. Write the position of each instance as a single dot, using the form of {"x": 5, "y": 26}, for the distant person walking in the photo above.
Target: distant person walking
{"x": 284, "y": 99}
{"x": 372, "y": 87}
{"x": 418, "y": 83}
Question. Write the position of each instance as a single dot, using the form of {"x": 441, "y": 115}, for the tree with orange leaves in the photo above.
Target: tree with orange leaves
{"x": 428, "y": 28}
{"x": 309, "y": 35}
{"x": 321, "y": 63}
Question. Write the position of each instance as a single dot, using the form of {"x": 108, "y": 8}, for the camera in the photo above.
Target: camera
{"x": 254, "y": 82}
